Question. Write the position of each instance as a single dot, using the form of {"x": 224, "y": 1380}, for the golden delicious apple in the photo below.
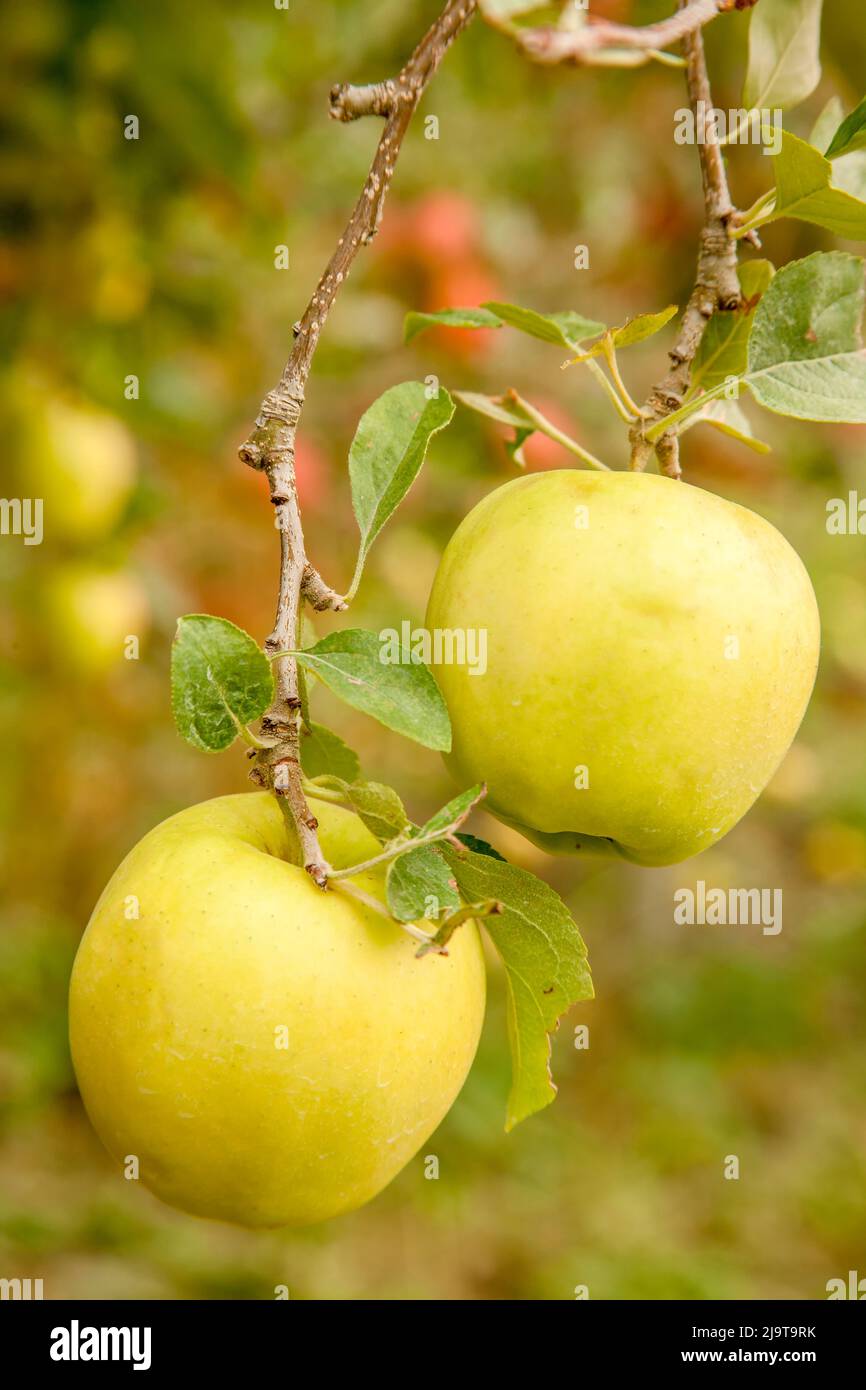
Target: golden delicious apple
{"x": 271, "y": 1053}
{"x": 651, "y": 650}
{"x": 89, "y": 612}
{"x": 81, "y": 462}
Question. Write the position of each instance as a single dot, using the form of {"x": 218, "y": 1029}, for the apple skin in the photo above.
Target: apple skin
{"x": 606, "y": 649}
{"x": 90, "y": 611}
{"x": 173, "y": 1019}
{"x": 82, "y": 463}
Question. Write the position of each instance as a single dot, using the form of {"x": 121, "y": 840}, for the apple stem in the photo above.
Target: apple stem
{"x": 270, "y": 447}
{"x": 747, "y": 226}
{"x": 716, "y": 285}
{"x": 545, "y": 426}
{"x": 405, "y": 843}
{"x": 613, "y": 395}
{"x": 610, "y": 358}
{"x": 395, "y": 848}
{"x": 353, "y": 891}
{"x": 323, "y": 793}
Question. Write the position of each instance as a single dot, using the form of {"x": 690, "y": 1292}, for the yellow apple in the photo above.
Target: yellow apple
{"x": 90, "y": 612}
{"x": 271, "y": 1053}
{"x": 651, "y": 650}
{"x": 80, "y": 461}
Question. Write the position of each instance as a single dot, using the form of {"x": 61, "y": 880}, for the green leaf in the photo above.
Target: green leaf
{"x": 324, "y": 754}
{"x": 479, "y": 846}
{"x": 455, "y": 809}
{"x": 844, "y": 142}
{"x": 730, "y": 419}
{"x": 545, "y": 964}
{"x": 308, "y": 630}
{"x": 514, "y": 447}
{"x": 784, "y": 65}
{"x": 401, "y": 695}
{"x": 724, "y": 345}
{"x": 826, "y": 125}
{"x": 416, "y": 323}
{"x": 416, "y": 877}
{"x": 849, "y": 174}
{"x": 804, "y": 191}
{"x": 642, "y": 326}
{"x": 220, "y": 681}
{"x": 494, "y": 407}
{"x": 510, "y": 409}
{"x": 388, "y": 451}
{"x": 379, "y": 807}
{"x": 634, "y": 330}
{"x": 851, "y": 134}
{"x": 805, "y": 356}
{"x": 567, "y": 329}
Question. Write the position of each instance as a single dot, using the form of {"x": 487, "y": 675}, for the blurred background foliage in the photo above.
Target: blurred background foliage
{"x": 155, "y": 258}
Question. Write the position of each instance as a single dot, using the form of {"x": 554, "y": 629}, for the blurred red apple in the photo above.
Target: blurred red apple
{"x": 445, "y": 228}
{"x": 439, "y": 229}
{"x": 462, "y": 286}
{"x": 311, "y": 472}
{"x": 540, "y": 451}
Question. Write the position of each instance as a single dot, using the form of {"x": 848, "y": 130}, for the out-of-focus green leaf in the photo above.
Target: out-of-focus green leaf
{"x": 567, "y": 329}
{"x": 804, "y": 191}
{"x": 784, "y": 64}
{"x": 416, "y": 322}
{"x": 851, "y": 134}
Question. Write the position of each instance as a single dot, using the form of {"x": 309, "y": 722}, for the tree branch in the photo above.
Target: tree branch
{"x": 592, "y": 42}
{"x": 716, "y": 283}
{"x": 271, "y": 445}
{"x": 348, "y": 103}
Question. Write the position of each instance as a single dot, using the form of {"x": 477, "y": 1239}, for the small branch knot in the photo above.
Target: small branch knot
{"x": 664, "y": 402}
{"x": 348, "y": 103}
{"x": 250, "y": 453}
{"x": 281, "y": 404}
{"x": 714, "y": 239}
{"x": 272, "y": 442}
{"x": 319, "y": 595}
